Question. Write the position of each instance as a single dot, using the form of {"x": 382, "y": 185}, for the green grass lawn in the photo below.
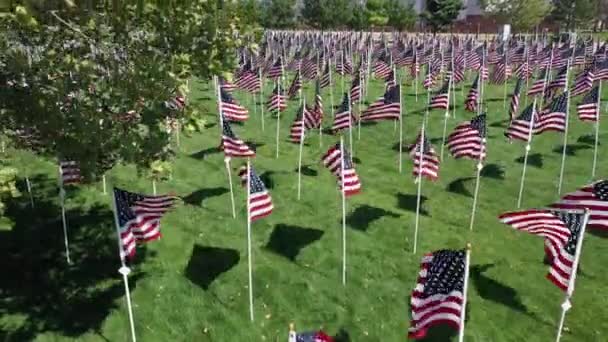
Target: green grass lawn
{"x": 192, "y": 284}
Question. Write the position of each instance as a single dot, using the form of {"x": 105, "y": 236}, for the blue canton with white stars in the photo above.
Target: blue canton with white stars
{"x": 445, "y": 273}
{"x": 124, "y": 201}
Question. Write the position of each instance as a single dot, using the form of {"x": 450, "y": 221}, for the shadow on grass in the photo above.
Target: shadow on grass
{"x": 202, "y": 154}
{"x": 38, "y": 284}
{"x": 570, "y": 149}
{"x": 254, "y": 145}
{"x": 500, "y": 124}
{"x": 342, "y": 336}
{"x": 363, "y": 216}
{"x": 492, "y": 290}
{"x": 208, "y": 263}
{"x": 266, "y": 177}
{"x": 288, "y": 241}
{"x": 458, "y": 186}
{"x": 493, "y": 171}
{"x": 601, "y": 233}
{"x": 440, "y": 333}
{"x": 436, "y": 141}
{"x": 588, "y": 139}
{"x": 356, "y": 160}
{"x": 408, "y": 202}
{"x": 198, "y": 196}
{"x": 308, "y": 171}
{"x": 535, "y": 159}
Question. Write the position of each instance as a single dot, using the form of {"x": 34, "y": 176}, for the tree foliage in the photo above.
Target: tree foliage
{"x": 441, "y": 13}
{"x": 377, "y": 13}
{"x": 575, "y": 13}
{"x": 91, "y": 86}
{"x": 278, "y": 13}
{"x": 327, "y": 13}
{"x": 522, "y": 14}
{"x": 400, "y": 17}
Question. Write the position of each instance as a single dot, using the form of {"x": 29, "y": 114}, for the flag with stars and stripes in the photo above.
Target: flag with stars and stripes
{"x": 226, "y": 85}
{"x": 439, "y": 294}
{"x": 553, "y": 118}
{"x": 442, "y": 98}
{"x": 593, "y": 197}
{"x": 138, "y": 218}
{"x": 539, "y": 85}
{"x": 318, "y": 336}
{"x": 559, "y": 82}
{"x": 387, "y": 107}
{"x": 231, "y": 110}
{"x": 233, "y": 146}
{"x": 522, "y": 126}
{"x": 348, "y": 180}
{"x": 259, "y": 202}
{"x": 317, "y": 110}
{"x": 468, "y": 139}
{"x": 426, "y": 162}
{"x": 470, "y": 103}
{"x": 589, "y": 109}
{"x": 69, "y": 171}
{"x": 514, "y": 107}
{"x": 305, "y": 119}
{"x": 248, "y": 81}
{"x": 343, "y": 118}
{"x": 277, "y": 101}
{"x": 276, "y": 70}
{"x": 562, "y": 265}
{"x": 355, "y": 88}
{"x": 325, "y": 80}
{"x": 295, "y": 86}
{"x": 583, "y": 82}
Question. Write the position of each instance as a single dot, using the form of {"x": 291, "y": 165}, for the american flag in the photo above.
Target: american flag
{"x": 306, "y": 119}
{"x": 259, "y": 202}
{"x": 231, "y": 110}
{"x": 589, "y": 109}
{"x": 439, "y": 292}
{"x": 355, "y": 88}
{"x": 441, "y": 99}
{"x": 502, "y": 71}
{"x": 388, "y": 107}
{"x": 248, "y": 81}
{"x": 276, "y": 70}
{"x": 523, "y": 125}
{"x": 226, "y": 85}
{"x": 601, "y": 71}
{"x": 390, "y": 80}
{"x": 318, "y": 108}
{"x": 429, "y": 80}
{"x": 422, "y": 150}
{"x": 343, "y": 117}
{"x": 523, "y": 71}
{"x": 538, "y": 86}
{"x": 470, "y": 103}
{"x": 139, "y": 217}
{"x": 318, "y": 336}
{"x": 347, "y": 178}
{"x": 381, "y": 68}
{"x": 309, "y": 68}
{"x": 593, "y": 197}
{"x": 326, "y": 77}
{"x": 69, "y": 172}
{"x": 277, "y": 101}
{"x": 296, "y": 85}
{"x": 553, "y": 118}
{"x": 233, "y": 146}
{"x": 560, "y": 81}
{"x": 583, "y": 82}
{"x": 175, "y": 103}
{"x": 561, "y": 232}
{"x": 344, "y": 65}
{"x": 515, "y": 99}
{"x": 468, "y": 139}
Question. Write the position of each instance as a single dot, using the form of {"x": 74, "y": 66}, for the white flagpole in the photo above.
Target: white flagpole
{"x": 249, "y": 256}
{"x": 278, "y": 117}
{"x": 124, "y": 270}
{"x": 104, "y": 185}
{"x": 301, "y": 145}
{"x": 29, "y": 190}
{"x": 480, "y": 160}
{"x": 464, "y": 294}
{"x": 528, "y": 147}
{"x": 350, "y": 126}
{"x": 359, "y": 107}
{"x": 400, "y": 129}
{"x": 261, "y": 97}
{"x": 292, "y": 333}
{"x": 566, "y": 305}
{"x": 597, "y": 129}
{"x": 227, "y": 164}
{"x": 343, "y": 210}
{"x": 154, "y": 187}
{"x": 447, "y": 115}
{"x": 331, "y": 92}
{"x": 561, "y": 170}
{"x": 419, "y": 180}
{"x": 63, "y": 219}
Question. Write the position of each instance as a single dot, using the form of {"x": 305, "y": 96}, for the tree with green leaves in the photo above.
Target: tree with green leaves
{"x": 325, "y": 14}
{"x": 400, "y": 17}
{"x": 278, "y": 13}
{"x": 358, "y": 20}
{"x": 572, "y": 14}
{"x": 441, "y": 13}
{"x": 377, "y": 13}
{"x": 91, "y": 86}
{"x": 522, "y": 14}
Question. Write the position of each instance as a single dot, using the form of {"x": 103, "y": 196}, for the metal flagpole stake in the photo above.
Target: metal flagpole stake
{"x": 343, "y": 191}
{"x": 301, "y": 144}
{"x": 566, "y": 305}
{"x": 561, "y": 170}
{"x": 528, "y": 147}
{"x": 124, "y": 270}
{"x": 278, "y": 116}
{"x": 597, "y": 130}
{"x": 261, "y": 97}
{"x": 419, "y": 180}
{"x": 463, "y": 310}
{"x": 227, "y": 164}
{"x": 445, "y": 120}
{"x": 249, "y": 255}
{"x": 29, "y": 190}
{"x": 64, "y": 222}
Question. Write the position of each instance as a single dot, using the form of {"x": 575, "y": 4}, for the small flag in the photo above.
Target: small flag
{"x": 553, "y": 118}
{"x": 231, "y": 110}
{"x": 593, "y": 197}
{"x": 233, "y": 146}
{"x": 387, "y": 107}
{"x": 521, "y": 127}
{"x": 468, "y": 139}
{"x": 589, "y": 109}
{"x": 343, "y": 118}
{"x": 259, "y": 200}
{"x": 470, "y": 103}
{"x": 347, "y": 179}
{"x": 441, "y": 98}
{"x": 515, "y": 99}
{"x": 426, "y": 162}
{"x": 276, "y": 102}
{"x": 69, "y": 172}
